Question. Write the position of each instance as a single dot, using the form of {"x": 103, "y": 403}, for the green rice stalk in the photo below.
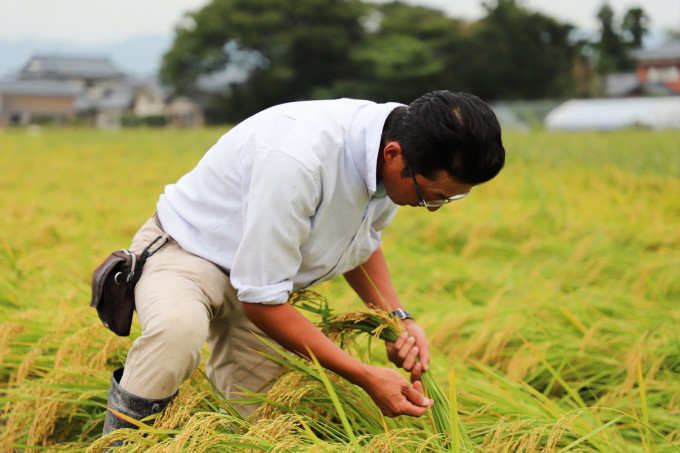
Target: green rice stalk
{"x": 453, "y": 412}
{"x": 378, "y": 323}
{"x": 336, "y": 402}
{"x": 645, "y": 412}
{"x": 585, "y": 437}
{"x": 586, "y": 250}
{"x": 359, "y": 409}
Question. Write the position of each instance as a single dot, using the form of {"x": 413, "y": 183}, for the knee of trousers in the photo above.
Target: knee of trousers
{"x": 179, "y": 339}
{"x": 174, "y": 343}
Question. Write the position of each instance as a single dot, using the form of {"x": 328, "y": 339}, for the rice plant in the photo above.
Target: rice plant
{"x": 550, "y": 298}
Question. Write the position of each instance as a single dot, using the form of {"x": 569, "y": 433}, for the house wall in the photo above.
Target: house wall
{"x": 109, "y": 120}
{"x": 183, "y": 112}
{"x": 25, "y": 107}
{"x": 147, "y": 104}
{"x": 97, "y": 89}
{"x": 667, "y": 73}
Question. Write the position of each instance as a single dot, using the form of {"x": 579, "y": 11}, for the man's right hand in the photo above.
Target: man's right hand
{"x": 393, "y": 393}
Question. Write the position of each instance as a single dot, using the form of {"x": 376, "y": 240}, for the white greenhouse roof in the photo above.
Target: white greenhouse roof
{"x": 608, "y": 114}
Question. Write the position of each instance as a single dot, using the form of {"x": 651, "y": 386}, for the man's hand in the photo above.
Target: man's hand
{"x": 409, "y": 347}
{"x": 371, "y": 281}
{"x": 394, "y": 395}
{"x": 390, "y": 390}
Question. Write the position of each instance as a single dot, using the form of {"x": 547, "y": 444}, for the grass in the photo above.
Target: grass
{"x": 550, "y": 297}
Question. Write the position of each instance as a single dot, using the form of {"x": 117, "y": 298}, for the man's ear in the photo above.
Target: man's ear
{"x": 392, "y": 151}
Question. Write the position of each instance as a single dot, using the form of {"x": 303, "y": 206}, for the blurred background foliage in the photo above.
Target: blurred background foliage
{"x": 275, "y": 51}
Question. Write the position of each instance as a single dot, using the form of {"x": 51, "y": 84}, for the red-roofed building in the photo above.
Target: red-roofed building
{"x": 660, "y": 65}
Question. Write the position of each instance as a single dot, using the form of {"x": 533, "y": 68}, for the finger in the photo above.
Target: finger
{"x": 410, "y": 359}
{"x": 425, "y": 355}
{"x": 416, "y": 398}
{"x": 400, "y": 340}
{"x": 406, "y": 348}
{"x": 416, "y": 374}
{"x": 405, "y": 407}
{"x": 391, "y": 350}
{"x": 413, "y": 410}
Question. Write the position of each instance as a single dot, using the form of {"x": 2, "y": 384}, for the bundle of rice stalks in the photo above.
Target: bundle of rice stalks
{"x": 346, "y": 327}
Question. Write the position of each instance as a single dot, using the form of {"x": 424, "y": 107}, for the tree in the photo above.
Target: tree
{"x": 635, "y": 24}
{"x": 287, "y": 48}
{"x": 612, "y": 52}
{"x": 303, "y": 49}
{"x": 513, "y": 53}
{"x": 406, "y": 51}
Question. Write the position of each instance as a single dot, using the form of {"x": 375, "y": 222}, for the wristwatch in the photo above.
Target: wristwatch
{"x": 402, "y": 314}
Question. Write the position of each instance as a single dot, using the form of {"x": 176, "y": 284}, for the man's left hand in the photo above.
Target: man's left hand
{"x": 409, "y": 347}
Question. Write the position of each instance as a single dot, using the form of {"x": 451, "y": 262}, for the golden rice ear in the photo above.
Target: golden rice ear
{"x": 288, "y": 391}
{"x": 188, "y": 401}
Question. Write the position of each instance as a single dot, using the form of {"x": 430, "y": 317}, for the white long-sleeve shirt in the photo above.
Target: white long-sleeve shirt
{"x": 287, "y": 198}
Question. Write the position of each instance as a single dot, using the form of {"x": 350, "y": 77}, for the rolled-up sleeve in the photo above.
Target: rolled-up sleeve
{"x": 280, "y": 200}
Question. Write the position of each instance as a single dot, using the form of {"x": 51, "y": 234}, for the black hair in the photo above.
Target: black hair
{"x": 455, "y": 132}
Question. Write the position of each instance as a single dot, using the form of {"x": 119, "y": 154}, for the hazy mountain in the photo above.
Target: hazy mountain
{"x": 138, "y": 56}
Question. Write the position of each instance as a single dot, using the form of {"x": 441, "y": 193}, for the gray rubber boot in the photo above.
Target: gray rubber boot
{"x": 131, "y": 405}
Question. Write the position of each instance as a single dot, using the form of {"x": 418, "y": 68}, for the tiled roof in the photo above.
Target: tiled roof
{"x": 668, "y": 51}
{"x": 88, "y": 67}
{"x": 117, "y": 100}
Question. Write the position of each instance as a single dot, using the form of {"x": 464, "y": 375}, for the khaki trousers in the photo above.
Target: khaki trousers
{"x": 182, "y": 301}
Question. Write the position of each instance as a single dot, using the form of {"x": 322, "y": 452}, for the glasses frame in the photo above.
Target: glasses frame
{"x": 433, "y": 203}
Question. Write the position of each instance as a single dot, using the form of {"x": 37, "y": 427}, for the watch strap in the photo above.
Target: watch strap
{"x": 401, "y": 314}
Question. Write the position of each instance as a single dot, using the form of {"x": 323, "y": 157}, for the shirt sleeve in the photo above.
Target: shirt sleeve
{"x": 279, "y": 202}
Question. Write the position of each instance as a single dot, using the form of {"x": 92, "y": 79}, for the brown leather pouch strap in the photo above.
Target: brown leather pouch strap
{"x": 147, "y": 252}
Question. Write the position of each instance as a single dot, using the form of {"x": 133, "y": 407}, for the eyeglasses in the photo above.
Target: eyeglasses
{"x": 434, "y": 203}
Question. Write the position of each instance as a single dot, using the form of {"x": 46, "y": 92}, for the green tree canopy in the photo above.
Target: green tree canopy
{"x": 513, "y": 53}
{"x": 287, "y": 47}
{"x": 636, "y": 25}
{"x": 305, "y": 49}
{"x": 406, "y": 51}
{"x": 612, "y": 51}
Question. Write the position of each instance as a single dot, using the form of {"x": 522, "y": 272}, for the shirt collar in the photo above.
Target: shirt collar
{"x": 364, "y": 141}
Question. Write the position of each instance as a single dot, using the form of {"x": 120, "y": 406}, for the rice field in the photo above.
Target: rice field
{"x": 551, "y": 297}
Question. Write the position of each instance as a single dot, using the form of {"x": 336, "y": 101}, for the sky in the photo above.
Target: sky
{"x": 100, "y": 21}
